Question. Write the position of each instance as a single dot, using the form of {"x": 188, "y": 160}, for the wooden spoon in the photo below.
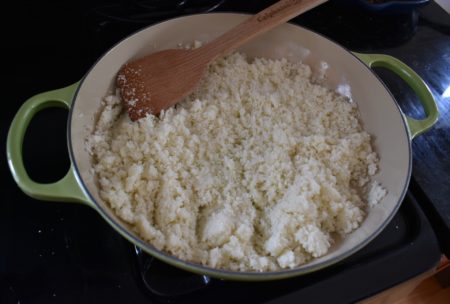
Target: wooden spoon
{"x": 158, "y": 81}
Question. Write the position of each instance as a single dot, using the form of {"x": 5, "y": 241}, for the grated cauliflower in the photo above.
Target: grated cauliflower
{"x": 258, "y": 170}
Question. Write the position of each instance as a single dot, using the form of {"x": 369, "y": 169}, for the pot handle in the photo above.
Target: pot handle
{"x": 415, "y": 126}
{"x": 66, "y": 189}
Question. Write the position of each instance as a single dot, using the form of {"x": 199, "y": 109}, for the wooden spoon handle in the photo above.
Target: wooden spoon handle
{"x": 278, "y": 13}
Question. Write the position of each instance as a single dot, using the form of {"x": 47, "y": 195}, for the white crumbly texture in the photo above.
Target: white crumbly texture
{"x": 376, "y": 193}
{"x": 258, "y": 170}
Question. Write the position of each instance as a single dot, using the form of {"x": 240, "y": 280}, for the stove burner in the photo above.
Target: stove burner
{"x": 145, "y": 11}
{"x": 165, "y": 281}
{"x": 108, "y": 23}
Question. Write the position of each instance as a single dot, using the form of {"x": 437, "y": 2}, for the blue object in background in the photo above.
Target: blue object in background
{"x": 387, "y": 7}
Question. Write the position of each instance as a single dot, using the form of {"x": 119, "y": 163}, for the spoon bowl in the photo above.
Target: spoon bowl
{"x": 148, "y": 85}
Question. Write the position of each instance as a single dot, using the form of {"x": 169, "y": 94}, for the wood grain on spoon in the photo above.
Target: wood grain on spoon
{"x": 158, "y": 81}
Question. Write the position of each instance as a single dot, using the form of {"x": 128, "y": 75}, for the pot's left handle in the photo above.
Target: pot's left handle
{"x": 65, "y": 190}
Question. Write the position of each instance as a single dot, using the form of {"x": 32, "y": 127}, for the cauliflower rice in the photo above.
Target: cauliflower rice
{"x": 258, "y": 170}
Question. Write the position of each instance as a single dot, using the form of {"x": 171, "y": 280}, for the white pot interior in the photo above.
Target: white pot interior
{"x": 380, "y": 114}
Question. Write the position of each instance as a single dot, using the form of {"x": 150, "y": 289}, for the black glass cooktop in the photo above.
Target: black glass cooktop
{"x": 63, "y": 253}
{"x": 71, "y": 256}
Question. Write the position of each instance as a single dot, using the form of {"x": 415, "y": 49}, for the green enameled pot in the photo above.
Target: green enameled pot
{"x": 392, "y": 130}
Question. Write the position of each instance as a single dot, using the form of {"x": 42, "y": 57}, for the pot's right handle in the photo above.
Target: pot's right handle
{"x": 416, "y": 126}
{"x": 67, "y": 189}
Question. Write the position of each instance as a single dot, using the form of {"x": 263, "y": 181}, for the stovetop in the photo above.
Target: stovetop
{"x": 71, "y": 256}
{"x": 55, "y": 252}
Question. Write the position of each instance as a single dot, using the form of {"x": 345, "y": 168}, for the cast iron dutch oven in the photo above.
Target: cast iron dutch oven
{"x": 381, "y": 116}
